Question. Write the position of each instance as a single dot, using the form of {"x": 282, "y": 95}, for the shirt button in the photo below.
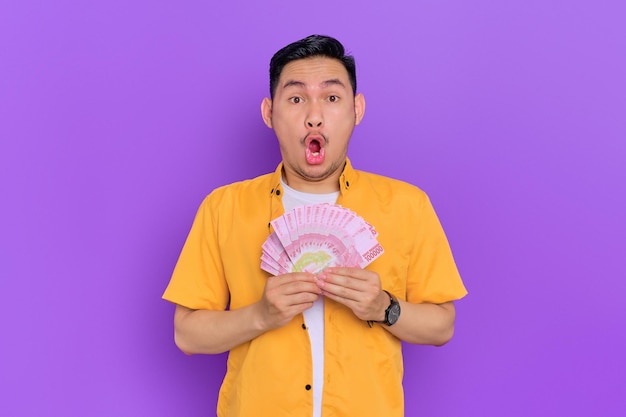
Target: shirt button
{"x": 307, "y": 387}
{"x": 304, "y": 326}
{"x": 277, "y": 192}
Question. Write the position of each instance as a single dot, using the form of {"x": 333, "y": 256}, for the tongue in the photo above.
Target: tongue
{"x": 314, "y": 153}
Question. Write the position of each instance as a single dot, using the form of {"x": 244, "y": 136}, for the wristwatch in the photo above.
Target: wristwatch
{"x": 392, "y": 313}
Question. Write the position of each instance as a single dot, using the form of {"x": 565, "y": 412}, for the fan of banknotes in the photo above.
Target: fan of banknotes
{"x": 312, "y": 237}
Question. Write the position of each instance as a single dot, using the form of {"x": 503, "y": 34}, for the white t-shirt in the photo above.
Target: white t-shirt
{"x": 313, "y": 317}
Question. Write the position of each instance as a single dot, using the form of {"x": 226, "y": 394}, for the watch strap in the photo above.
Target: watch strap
{"x": 392, "y": 300}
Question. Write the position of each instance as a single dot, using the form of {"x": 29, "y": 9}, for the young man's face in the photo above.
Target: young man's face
{"x": 313, "y": 114}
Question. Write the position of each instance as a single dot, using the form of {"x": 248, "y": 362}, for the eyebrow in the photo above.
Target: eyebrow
{"x": 327, "y": 83}
{"x": 334, "y": 81}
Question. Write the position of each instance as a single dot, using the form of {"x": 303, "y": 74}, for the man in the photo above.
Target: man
{"x": 305, "y": 344}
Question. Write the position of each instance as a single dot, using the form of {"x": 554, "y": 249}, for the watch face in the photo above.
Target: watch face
{"x": 393, "y": 314}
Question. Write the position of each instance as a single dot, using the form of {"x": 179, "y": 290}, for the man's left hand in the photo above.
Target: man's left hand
{"x": 358, "y": 289}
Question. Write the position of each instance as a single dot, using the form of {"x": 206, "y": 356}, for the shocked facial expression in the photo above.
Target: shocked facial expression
{"x": 313, "y": 114}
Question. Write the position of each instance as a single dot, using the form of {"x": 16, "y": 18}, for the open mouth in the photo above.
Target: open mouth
{"x": 315, "y": 147}
{"x": 314, "y": 150}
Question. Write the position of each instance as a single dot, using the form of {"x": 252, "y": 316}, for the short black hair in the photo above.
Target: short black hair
{"x": 311, "y": 46}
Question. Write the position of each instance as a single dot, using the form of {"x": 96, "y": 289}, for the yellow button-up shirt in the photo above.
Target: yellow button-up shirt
{"x": 271, "y": 375}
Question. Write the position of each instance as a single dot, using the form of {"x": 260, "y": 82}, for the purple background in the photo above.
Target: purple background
{"x": 117, "y": 117}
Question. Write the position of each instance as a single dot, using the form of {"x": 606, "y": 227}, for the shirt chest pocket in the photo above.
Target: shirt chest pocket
{"x": 392, "y": 267}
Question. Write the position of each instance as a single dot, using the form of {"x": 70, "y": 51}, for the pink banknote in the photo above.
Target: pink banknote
{"x": 312, "y": 237}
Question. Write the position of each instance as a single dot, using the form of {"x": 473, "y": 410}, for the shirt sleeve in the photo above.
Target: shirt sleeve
{"x": 432, "y": 276}
{"x": 198, "y": 280}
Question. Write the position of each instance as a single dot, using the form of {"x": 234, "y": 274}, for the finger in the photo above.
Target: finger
{"x": 345, "y": 281}
{"x": 283, "y": 299}
{"x": 285, "y": 293}
{"x": 356, "y": 273}
{"x": 294, "y": 277}
{"x": 340, "y": 291}
{"x": 294, "y": 288}
{"x": 294, "y": 282}
{"x": 305, "y": 300}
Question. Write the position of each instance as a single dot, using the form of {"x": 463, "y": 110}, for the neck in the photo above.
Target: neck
{"x": 324, "y": 185}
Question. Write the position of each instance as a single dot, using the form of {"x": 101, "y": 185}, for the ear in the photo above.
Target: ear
{"x": 266, "y": 111}
{"x": 359, "y": 108}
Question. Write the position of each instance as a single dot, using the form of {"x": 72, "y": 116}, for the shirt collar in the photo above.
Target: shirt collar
{"x": 346, "y": 180}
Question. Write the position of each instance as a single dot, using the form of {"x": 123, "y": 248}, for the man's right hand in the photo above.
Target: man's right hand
{"x": 286, "y": 296}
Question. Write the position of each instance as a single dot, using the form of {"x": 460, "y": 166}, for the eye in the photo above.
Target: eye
{"x": 333, "y": 99}
{"x": 295, "y": 100}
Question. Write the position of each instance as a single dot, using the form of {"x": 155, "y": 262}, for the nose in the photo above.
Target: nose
{"x": 314, "y": 117}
